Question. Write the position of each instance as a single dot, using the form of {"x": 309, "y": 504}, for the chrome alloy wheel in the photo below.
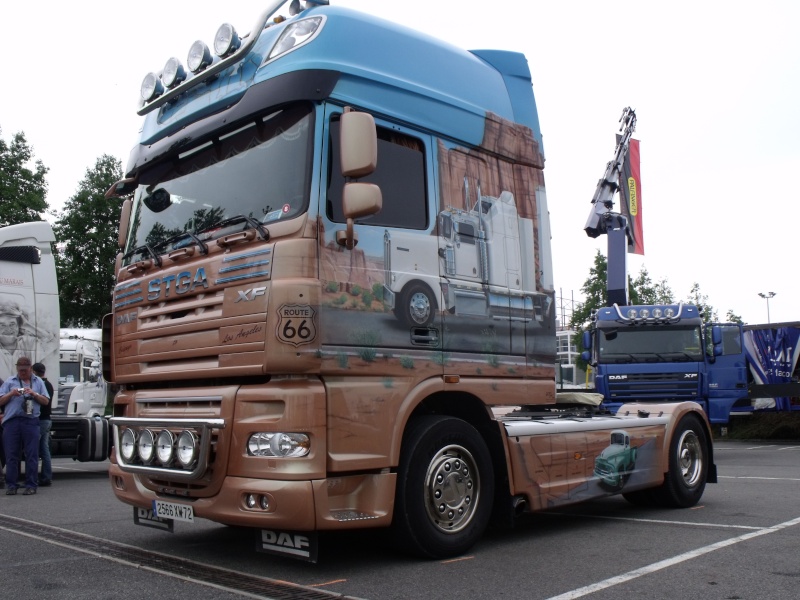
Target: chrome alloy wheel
{"x": 419, "y": 307}
{"x": 452, "y": 489}
{"x": 690, "y": 458}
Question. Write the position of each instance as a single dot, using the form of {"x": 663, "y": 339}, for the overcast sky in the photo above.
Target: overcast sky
{"x": 715, "y": 85}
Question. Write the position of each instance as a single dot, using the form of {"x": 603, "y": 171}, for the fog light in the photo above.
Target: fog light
{"x": 263, "y": 502}
{"x": 187, "y": 448}
{"x": 165, "y": 447}
{"x": 250, "y": 501}
{"x": 127, "y": 444}
{"x": 146, "y": 446}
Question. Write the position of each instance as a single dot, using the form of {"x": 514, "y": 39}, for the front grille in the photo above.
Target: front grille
{"x": 655, "y": 386}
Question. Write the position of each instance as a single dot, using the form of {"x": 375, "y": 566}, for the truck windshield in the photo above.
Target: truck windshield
{"x": 69, "y": 372}
{"x": 674, "y": 344}
{"x": 259, "y": 172}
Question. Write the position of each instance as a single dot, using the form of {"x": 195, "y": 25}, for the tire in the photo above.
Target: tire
{"x": 417, "y": 306}
{"x": 686, "y": 478}
{"x": 445, "y": 488}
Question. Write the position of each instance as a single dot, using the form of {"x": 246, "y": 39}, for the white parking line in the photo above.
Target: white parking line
{"x": 661, "y": 521}
{"x": 763, "y": 478}
{"x": 669, "y": 562}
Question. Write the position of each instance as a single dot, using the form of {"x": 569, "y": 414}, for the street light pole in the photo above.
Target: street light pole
{"x": 766, "y": 297}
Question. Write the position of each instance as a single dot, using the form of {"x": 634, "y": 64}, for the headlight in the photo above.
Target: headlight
{"x": 127, "y": 444}
{"x": 282, "y": 445}
{"x": 152, "y": 87}
{"x": 187, "y": 448}
{"x": 199, "y": 57}
{"x": 145, "y": 446}
{"x": 295, "y": 35}
{"x": 164, "y": 447}
{"x": 226, "y": 41}
{"x": 173, "y": 73}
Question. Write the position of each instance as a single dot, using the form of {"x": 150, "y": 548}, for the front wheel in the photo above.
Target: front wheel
{"x": 686, "y": 478}
{"x": 445, "y": 488}
{"x": 417, "y": 306}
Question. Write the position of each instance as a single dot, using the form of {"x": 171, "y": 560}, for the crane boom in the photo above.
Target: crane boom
{"x": 604, "y": 220}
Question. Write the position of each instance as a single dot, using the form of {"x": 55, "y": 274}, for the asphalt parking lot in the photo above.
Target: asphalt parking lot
{"x": 76, "y": 540}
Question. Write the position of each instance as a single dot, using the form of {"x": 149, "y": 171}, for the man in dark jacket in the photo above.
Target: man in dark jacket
{"x": 45, "y": 423}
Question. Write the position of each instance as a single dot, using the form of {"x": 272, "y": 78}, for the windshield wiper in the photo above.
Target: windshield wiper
{"x": 144, "y": 249}
{"x": 263, "y": 233}
{"x": 182, "y": 234}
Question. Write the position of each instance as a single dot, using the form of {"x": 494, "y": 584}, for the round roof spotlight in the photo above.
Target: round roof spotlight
{"x": 657, "y": 312}
{"x": 644, "y": 313}
{"x": 226, "y": 41}
{"x": 127, "y": 444}
{"x": 632, "y": 313}
{"x": 165, "y": 447}
{"x": 152, "y": 87}
{"x": 173, "y": 73}
{"x": 199, "y": 57}
{"x": 669, "y": 313}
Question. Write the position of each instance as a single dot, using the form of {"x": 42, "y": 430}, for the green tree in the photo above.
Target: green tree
{"x": 732, "y": 317}
{"x": 87, "y": 233}
{"x": 707, "y": 312}
{"x": 23, "y": 190}
{"x": 644, "y": 291}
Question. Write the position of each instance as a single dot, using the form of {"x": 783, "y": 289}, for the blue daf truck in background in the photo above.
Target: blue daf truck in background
{"x": 663, "y": 353}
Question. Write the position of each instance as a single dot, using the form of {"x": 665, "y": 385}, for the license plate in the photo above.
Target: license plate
{"x": 171, "y": 510}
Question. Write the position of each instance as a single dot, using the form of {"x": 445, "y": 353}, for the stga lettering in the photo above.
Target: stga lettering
{"x": 182, "y": 282}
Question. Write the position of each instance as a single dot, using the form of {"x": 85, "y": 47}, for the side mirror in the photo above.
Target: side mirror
{"x": 586, "y": 356}
{"x": 587, "y": 340}
{"x": 358, "y": 144}
{"x": 358, "y": 148}
{"x": 124, "y": 221}
{"x": 359, "y": 200}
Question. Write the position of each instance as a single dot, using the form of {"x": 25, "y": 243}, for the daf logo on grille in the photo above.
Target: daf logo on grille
{"x": 617, "y": 377}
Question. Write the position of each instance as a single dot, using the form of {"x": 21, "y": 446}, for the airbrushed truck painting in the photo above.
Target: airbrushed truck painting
{"x": 334, "y": 302}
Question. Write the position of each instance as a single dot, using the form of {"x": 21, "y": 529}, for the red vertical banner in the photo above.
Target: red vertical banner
{"x": 631, "y": 187}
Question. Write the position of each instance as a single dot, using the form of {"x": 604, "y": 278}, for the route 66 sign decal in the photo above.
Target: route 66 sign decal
{"x": 296, "y": 324}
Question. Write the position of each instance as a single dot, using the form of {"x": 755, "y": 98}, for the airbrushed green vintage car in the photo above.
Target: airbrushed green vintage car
{"x": 616, "y": 462}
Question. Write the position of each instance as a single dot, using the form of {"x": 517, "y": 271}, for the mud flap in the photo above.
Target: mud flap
{"x": 303, "y": 545}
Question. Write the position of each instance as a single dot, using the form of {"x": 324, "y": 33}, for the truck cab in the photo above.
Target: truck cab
{"x": 666, "y": 353}
{"x": 81, "y": 387}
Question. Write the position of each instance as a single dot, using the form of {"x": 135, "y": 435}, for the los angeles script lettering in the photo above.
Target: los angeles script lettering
{"x": 242, "y": 335}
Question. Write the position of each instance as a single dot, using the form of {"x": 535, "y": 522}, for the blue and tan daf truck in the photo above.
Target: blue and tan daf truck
{"x": 334, "y": 298}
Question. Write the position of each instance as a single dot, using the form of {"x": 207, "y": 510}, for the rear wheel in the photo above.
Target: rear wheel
{"x": 686, "y": 478}
{"x": 445, "y": 488}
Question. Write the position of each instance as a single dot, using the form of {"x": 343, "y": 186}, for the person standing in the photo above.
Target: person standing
{"x": 45, "y": 423}
{"x": 21, "y": 397}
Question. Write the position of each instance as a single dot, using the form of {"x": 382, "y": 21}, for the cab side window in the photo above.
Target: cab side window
{"x": 400, "y": 175}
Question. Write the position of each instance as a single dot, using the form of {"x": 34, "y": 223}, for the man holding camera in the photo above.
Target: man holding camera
{"x": 21, "y": 397}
